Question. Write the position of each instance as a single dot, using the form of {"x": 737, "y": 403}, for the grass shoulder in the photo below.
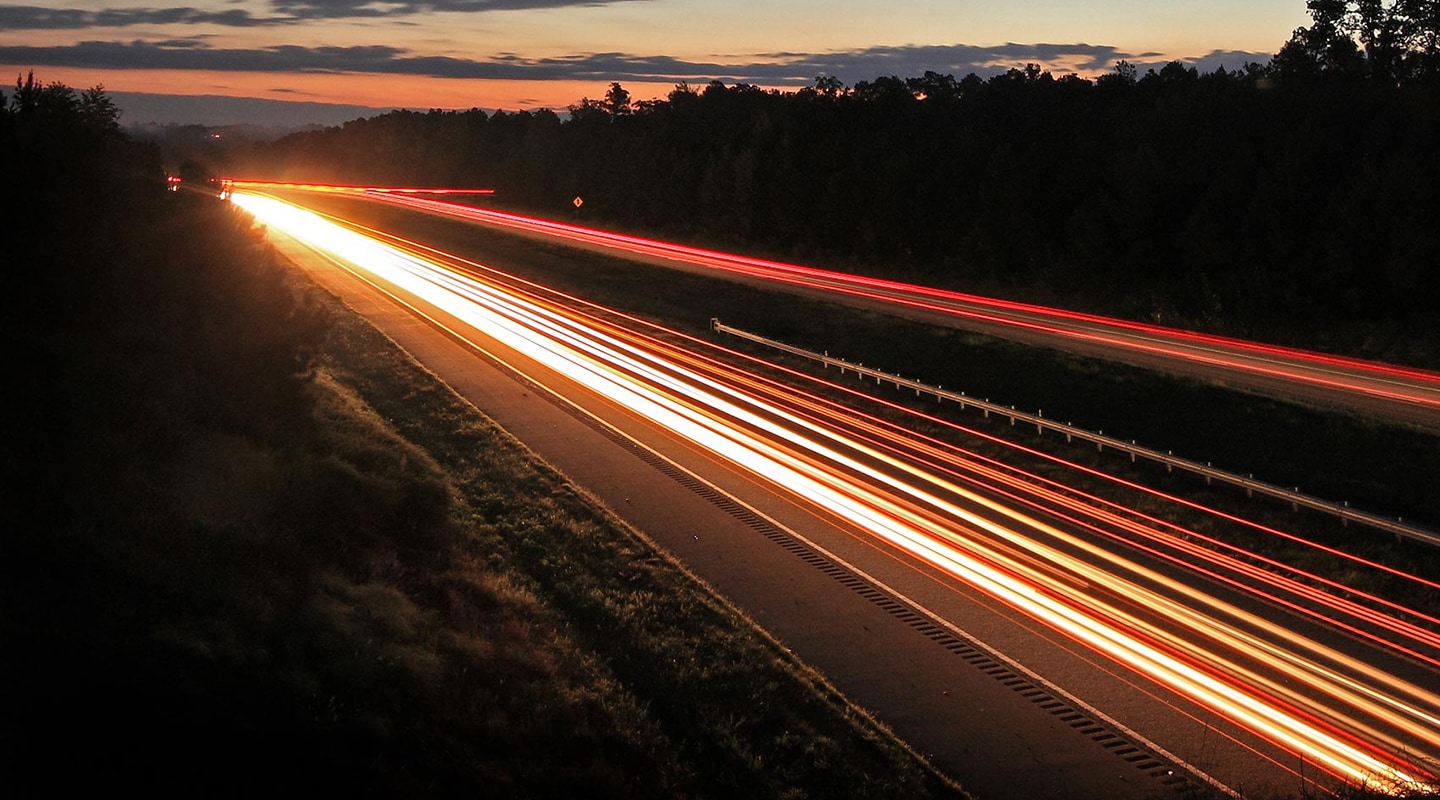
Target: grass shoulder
{"x": 726, "y": 710}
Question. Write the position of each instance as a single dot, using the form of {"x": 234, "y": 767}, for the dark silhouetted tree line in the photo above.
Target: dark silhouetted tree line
{"x": 152, "y": 355}
{"x": 99, "y": 258}
{"x": 1395, "y": 42}
{"x": 1300, "y": 193}
{"x": 67, "y": 164}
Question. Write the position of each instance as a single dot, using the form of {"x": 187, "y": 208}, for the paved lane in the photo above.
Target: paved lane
{"x": 956, "y": 567}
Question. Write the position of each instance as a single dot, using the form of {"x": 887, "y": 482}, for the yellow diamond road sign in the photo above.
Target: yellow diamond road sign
{"x": 578, "y": 202}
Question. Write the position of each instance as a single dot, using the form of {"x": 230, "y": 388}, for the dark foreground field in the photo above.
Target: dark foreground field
{"x": 250, "y": 547}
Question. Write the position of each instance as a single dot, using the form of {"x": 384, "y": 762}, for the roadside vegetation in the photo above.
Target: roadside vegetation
{"x": 249, "y": 547}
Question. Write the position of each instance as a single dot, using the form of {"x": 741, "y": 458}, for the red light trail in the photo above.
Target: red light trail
{"x": 1409, "y": 394}
{"x": 1210, "y": 623}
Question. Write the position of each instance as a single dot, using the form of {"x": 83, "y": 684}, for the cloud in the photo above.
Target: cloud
{"x": 339, "y": 9}
{"x": 288, "y": 12}
{"x": 35, "y": 18}
{"x": 768, "y": 69}
{"x": 909, "y": 61}
{"x": 283, "y": 115}
{"x": 1231, "y": 60}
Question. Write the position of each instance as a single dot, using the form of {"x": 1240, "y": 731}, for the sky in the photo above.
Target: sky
{"x": 529, "y": 54}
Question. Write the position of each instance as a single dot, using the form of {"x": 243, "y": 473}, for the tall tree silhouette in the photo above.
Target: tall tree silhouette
{"x": 1394, "y": 42}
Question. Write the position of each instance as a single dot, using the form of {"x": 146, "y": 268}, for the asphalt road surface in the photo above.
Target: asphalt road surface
{"x": 994, "y": 688}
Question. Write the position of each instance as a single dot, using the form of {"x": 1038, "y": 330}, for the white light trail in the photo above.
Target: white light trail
{"x": 1358, "y": 723}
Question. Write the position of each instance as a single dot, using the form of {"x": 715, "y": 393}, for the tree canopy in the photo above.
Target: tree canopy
{"x": 1260, "y": 197}
{"x": 1393, "y": 42}
{"x": 1231, "y": 198}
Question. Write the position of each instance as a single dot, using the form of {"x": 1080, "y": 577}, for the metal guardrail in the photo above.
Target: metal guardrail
{"x": 1396, "y": 526}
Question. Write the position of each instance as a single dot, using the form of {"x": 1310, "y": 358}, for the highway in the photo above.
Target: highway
{"x": 1293, "y": 677}
{"x": 1394, "y": 392}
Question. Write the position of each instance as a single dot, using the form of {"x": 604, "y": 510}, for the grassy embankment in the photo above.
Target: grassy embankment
{"x": 245, "y": 557}
{"x": 1376, "y": 466}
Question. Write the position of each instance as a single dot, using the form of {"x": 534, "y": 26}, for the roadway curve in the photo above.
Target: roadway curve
{"x": 950, "y": 650}
{"x": 1398, "y": 393}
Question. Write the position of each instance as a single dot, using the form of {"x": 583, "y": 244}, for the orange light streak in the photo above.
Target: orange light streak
{"x": 1300, "y": 694}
